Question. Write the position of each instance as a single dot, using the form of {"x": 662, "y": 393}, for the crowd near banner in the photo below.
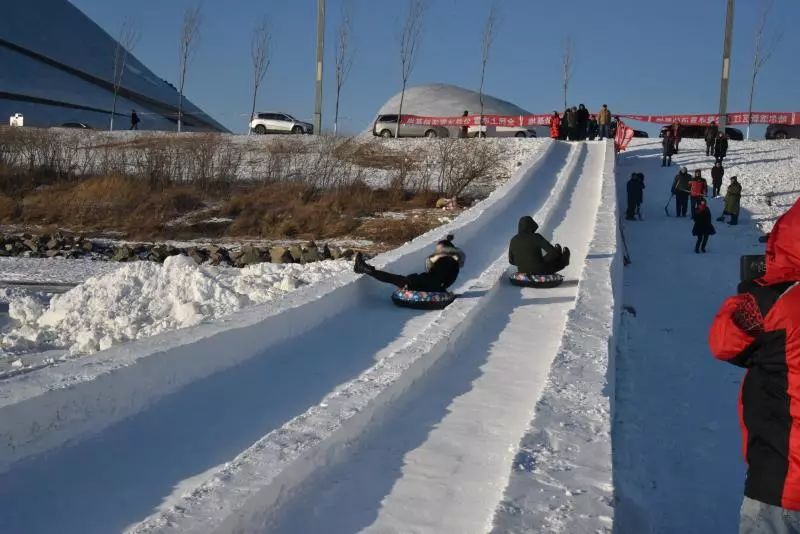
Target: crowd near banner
{"x": 521, "y": 121}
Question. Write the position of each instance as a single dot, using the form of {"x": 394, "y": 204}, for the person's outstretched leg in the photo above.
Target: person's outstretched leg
{"x": 704, "y": 243}
{"x": 697, "y": 244}
{"x": 362, "y": 267}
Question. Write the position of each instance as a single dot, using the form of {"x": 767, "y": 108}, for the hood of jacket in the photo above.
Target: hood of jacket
{"x": 783, "y": 249}
{"x": 527, "y": 225}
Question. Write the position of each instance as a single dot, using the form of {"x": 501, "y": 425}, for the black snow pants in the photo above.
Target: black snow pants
{"x": 716, "y": 187}
{"x": 681, "y": 203}
{"x": 702, "y": 241}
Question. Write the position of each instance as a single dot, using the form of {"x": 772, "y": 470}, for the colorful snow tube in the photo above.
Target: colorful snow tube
{"x": 536, "y": 280}
{"x": 422, "y": 300}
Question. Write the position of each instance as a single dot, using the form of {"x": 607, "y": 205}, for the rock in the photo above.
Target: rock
{"x": 326, "y": 252}
{"x": 310, "y": 254}
{"x": 86, "y": 245}
{"x": 347, "y": 254}
{"x": 218, "y": 256}
{"x": 122, "y": 253}
{"x": 158, "y": 254}
{"x": 32, "y": 244}
{"x": 54, "y": 243}
{"x": 249, "y": 255}
{"x": 52, "y": 253}
{"x": 280, "y": 255}
{"x": 296, "y": 252}
{"x": 197, "y": 254}
{"x": 336, "y": 253}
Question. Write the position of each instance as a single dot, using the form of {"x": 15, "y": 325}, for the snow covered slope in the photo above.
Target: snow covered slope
{"x": 678, "y": 464}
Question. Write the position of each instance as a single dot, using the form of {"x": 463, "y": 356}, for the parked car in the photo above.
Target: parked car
{"x": 640, "y": 133}
{"x": 500, "y": 131}
{"x": 76, "y": 125}
{"x": 782, "y": 131}
{"x": 284, "y": 123}
{"x": 385, "y": 126}
{"x": 698, "y": 131}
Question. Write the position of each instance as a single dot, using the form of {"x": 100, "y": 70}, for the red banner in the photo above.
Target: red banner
{"x": 739, "y": 118}
{"x": 513, "y": 121}
{"x": 523, "y": 121}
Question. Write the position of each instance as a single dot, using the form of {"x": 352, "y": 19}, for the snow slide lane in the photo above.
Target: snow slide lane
{"x": 436, "y": 458}
{"x": 145, "y": 462}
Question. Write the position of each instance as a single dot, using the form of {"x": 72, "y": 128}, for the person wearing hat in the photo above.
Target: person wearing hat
{"x": 733, "y": 197}
{"x": 441, "y": 269}
{"x": 680, "y": 188}
{"x": 702, "y": 229}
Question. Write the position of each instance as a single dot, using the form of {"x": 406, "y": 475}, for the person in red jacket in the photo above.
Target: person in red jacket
{"x": 698, "y": 189}
{"x": 759, "y": 329}
{"x": 555, "y": 125}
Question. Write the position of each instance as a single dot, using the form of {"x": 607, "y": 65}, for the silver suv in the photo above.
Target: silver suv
{"x": 265, "y": 123}
{"x": 385, "y": 125}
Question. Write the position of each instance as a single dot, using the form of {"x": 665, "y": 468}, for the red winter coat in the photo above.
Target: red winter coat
{"x": 759, "y": 329}
{"x": 555, "y": 124}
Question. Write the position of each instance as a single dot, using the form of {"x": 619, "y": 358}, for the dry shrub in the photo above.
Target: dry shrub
{"x": 459, "y": 163}
{"x": 9, "y": 209}
{"x": 374, "y": 154}
{"x": 393, "y": 231}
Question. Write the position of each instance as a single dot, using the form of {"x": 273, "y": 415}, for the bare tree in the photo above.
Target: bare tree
{"x": 344, "y": 58}
{"x": 764, "y": 48}
{"x": 409, "y": 45}
{"x": 566, "y": 62}
{"x": 261, "y": 54}
{"x": 486, "y": 47}
{"x": 189, "y": 34}
{"x": 126, "y": 41}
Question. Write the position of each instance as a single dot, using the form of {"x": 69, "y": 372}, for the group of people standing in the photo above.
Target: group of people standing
{"x": 716, "y": 143}
{"x": 695, "y": 188}
{"x": 577, "y": 124}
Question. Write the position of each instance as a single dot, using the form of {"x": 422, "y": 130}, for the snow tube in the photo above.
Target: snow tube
{"x": 422, "y": 300}
{"x": 536, "y": 280}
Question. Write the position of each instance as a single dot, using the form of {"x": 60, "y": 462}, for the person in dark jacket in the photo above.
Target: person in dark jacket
{"x": 442, "y": 268}
{"x": 583, "y": 121}
{"x": 667, "y": 148}
{"x": 733, "y": 198}
{"x": 712, "y": 131}
{"x": 635, "y": 195}
{"x": 592, "y": 127}
{"x": 680, "y": 188}
{"x": 757, "y": 329}
{"x": 702, "y": 229}
{"x": 698, "y": 189}
{"x": 572, "y": 124}
{"x": 563, "y": 132}
{"x": 134, "y": 120}
{"x": 717, "y": 172}
{"x": 721, "y": 147}
{"x": 532, "y": 253}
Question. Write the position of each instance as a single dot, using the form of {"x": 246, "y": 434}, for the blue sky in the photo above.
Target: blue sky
{"x": 638, "y": 56}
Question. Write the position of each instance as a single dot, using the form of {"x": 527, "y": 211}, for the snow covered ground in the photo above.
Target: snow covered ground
{"x": 677, "y": 449}
{"x": 135, "y": 300}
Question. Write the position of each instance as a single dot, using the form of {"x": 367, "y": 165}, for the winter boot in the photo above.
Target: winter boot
{"x": 362, "y": 267}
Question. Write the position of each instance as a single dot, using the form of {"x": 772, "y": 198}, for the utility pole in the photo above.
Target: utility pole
{"x": 726, "y": 67}
{"x": 320, "y": 58}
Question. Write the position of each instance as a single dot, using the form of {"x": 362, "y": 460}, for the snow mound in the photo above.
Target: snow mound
{"x": 445, "y": 100}
{"x": 143, "y": 299}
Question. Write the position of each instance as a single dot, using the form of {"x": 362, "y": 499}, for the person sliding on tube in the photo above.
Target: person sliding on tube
{"x": 442, "y": 268}
{"x": 533, "y": 254}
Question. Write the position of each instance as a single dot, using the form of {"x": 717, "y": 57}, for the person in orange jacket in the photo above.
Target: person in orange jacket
{"x": 698, "y": 189}
{"x": 555, "y": 125}
{"x": 759, "y": 329}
